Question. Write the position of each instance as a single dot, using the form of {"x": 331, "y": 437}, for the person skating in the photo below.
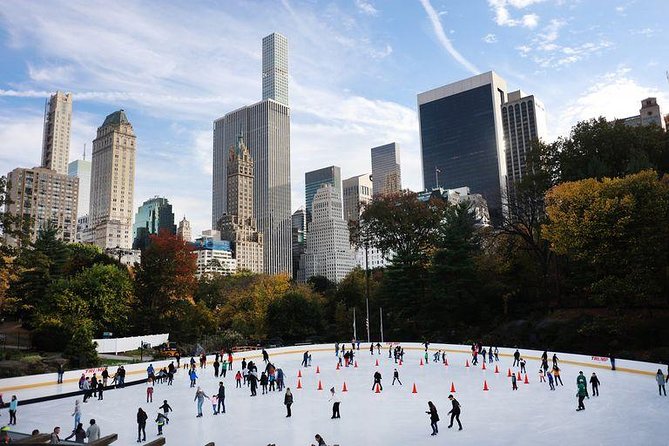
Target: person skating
{"x": 522, "y": 365}
{"x": 149, "y": 390}
{"x": 265, "y": 356}
{"x": 496, "y": 354}
{"x": 288, "y": 401}
{"x": 335, "y": 405}
{"x": 13, "y": 406}
{"x": 193, "y": 377}
{"x": 542, "y": 376}
{"x": 224, "y": 368}
{"x": 101, "y": 389}
{"x": 141, "y": 425}
{"x": 396, "y": 377}
{"x": 581, "y": 379}
{"x": 514, "y": 385}
{"x": 86, "y": 387}
{"x": 216, "y": 367}
{"x": 550, "y": 381}
{"x": 319, "y": 441}
{"x": 166, "y": 409}
{"x": 60, "y": 372}
{"x": 78, "y": 433}
{"x": 377, "y": 380}
{"x": 238, "y": 379}
{"x": 555, "y": 360}
{"x": 199, "y": 397}
{"x": 594, "y": 382}
{"x": 556, "y": 375}
{"x": 105, "y": 377}
{"x": 659, "y": 377}
{"x": 581, "y": 393}
{"x": 516, "y": 358}
{"x": 279, "y": 379}
{"x": 490, "y": 354}
{"x": 93, "y": 431}
{"x": 253, "y": 383}
{"x": 371, "y": 349}
{"x": 264, "y": 382}
{"x": 76, "y": 414}
{"x": 305, "y": 359}
{"x": 337, "y": 348}
{"x": 378, "y": 348}
{"x": 455, "y": 412}
{"x": 221, "y": 398}
{"x": 94, "y": 385}
{"x": 434, "y": 417}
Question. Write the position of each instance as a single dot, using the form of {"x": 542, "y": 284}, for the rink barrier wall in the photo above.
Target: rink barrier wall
{"x": 71, "y": 378}
{"x": 120, "y": 345}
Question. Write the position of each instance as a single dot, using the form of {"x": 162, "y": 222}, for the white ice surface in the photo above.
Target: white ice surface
{"x": 628, "y": 412}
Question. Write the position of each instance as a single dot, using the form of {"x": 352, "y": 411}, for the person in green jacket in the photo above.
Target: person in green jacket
{"x": 581, "y": 394}
{"x": 581, "y": 379}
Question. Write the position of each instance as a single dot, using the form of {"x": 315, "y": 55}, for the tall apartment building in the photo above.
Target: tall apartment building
{"x": 152, "y": 217}
{"x": 113, "y": 182}
{"x": 524, "y": 121}
{"x": 265, "y": 127}
{"x": 386, "y": 172}
{"x": 214, "y": 256}
{"x": 238, "y": 225}
{"x": 329, "y": 251}
{"x": 56, "y": 136}
{"x": 275, "y": 68}
{"x": 315, "y": 179}
{"x": 184, "y": 231}
{"x": 299, "y": 238}
{"x": 357, "y": 192}
{"x": 82, "y": 170}
{"x": 462, "y": 138}
{"x": 46, "y": 197}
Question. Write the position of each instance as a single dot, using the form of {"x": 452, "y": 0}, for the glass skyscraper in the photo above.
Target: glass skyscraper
{"x": 152, "y": 216}
{"x": 314, "y": 180}
{"x": 386, "y": 173}
{"x": 462, "y": 142}
{"x": 275, "y": 68}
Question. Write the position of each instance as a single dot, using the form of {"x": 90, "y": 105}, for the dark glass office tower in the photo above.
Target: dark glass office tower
{"x": 462, "y": 142}
{"x": 315, "y": 179}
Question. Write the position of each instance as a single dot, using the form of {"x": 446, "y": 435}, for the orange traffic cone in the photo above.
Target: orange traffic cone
{"x": 299, "y": 383}
{"x": 527, "y": 381}
{"x": 508, "y": 374}
{"x": 446, "y": 361}
{"x": 337, "y": 366}
{"x": 320, "y": 386}
{"x": 496, "y": 369}
{"x": 467, "y": 363}
{"x": 378, "y": 389}
{"x": 483, "y": 367}
{"x": 318, "y": 369}
{"x": 414, "y": 389}
{"x": 299, "y": 373}
{"x": 421, "y": 361}
{"x": 452, "y": 388}
{"x": 519, "y": 377}
{"x": 485, "y": 385}
{"x": 377, "y": 363}
{"x": 344, "y": 389}
{"x": 356, "y": 365}
{"x": 400, "y": 362}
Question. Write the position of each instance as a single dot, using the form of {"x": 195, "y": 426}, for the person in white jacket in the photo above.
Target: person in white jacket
{"x": 93, "y": 432}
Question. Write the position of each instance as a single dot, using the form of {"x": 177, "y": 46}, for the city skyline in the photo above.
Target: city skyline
{"x": 579, "y": 70}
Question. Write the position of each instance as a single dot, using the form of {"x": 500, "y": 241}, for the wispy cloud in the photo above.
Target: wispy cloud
{"x": 490, "y": 38}
{"x": 503, "y": 14}
{"x": 366, "y": 7}
{"x": 445, "y": 41}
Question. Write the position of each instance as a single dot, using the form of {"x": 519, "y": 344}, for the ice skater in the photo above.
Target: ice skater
{"x": 238, "y": 379}
{"x": 594, "y": 382}
{"x": 77, "y": 413}
{"x": 288, "y": 401}
{"x": 496, "y": 354}
{"x": 335, "y": 404}
{"x": 659, "y": 377}
{"x": 522, "y": 365}
{"x": 455, "y": 412}
{"x": 434, "y": 417}
{"x": 396, "y": 377}
{"x": 550, "y": 381}
{"x": 305, "y": 359}
{"x": 221, "y": 398}
{"x": 581, "y": 379}
{"x": 149, "y": 390}
{"x": 581, "y": 394}
{"x": 265, "y": 356}
{"x": 377, "y": 381}
{"x": 542, "y": 376}
{"x": 514, "y": 385}
{"x": 199, "y": 397}
{"x": 141, "y": 425}
{"x": 556, "y": 375}
{"x": 166, "y": 409}
{"x": 516, "y": 358}
{"x": 161, "y": 420}
{"x": 13, "y": 406}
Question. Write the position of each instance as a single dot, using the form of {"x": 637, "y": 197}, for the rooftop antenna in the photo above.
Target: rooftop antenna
{"x": 84, "y": 151}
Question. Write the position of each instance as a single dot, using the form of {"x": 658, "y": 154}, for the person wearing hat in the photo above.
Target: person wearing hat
{"x": 455, "y": 412}
{"x": 581, "y": 379}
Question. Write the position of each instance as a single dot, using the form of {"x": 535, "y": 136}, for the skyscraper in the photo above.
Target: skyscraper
{"x": 524, "y": 121}
{"x": 153, "y": 216}
{"x": 315, "y": 179}
{"x": 113, "y": 182}
{"x": 265, "y": 127}
{"x": 56, "y": 136}
{"x": 238, "y": 225}
{"x": 45, "y": 196}
{"x": 386, "y": 172}
{"x": 357, "y": 192}
{"x": 329, "y": 251}
{"x": 82, "y": 170}
{"x": 184, "y": 231}
{"x": 275, "y": 68}
{"x": 299, "y": 238}
{"x": 462, "y": 139}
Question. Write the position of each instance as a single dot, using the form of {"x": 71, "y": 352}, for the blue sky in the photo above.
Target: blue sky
{"x": 355, "y": 69}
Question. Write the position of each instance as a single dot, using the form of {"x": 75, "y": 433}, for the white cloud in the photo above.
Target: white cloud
{"x": 503, "y": 14}
{"x": 490, "y": 38}
{"x": 366, "y": 7}
{"x": 445, "y": 41}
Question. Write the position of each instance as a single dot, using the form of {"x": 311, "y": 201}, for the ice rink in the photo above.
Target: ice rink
{"x": 628, "y": 412}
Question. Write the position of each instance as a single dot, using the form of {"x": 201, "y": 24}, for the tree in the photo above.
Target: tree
{"x": 294, "y": 316}
{"x": 81, "y": 350}
{"x": 616, "y": 229}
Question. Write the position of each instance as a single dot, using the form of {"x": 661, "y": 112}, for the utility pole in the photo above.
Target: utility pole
{"x": 367, "y": 287}
{"x": 436, "y": 176}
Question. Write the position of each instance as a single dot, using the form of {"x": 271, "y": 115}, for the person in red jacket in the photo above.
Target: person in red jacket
{"x": 238, "y": 378}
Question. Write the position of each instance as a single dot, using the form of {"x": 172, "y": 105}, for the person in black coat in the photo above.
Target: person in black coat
{"x": 594, "y": 381}
{"x": 221, "y": 398}
{"x": 455, "y": 412}
{"x": 377, "y": 380}
{"x": 434, "y": 417}
{"x": 141, "y": 425}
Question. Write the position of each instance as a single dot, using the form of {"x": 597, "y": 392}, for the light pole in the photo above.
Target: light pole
{"x": 367, "y": 286}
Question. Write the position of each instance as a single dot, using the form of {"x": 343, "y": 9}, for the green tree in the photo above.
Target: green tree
{"x": 81, "y": 350}
{"x": 294, "y": 317}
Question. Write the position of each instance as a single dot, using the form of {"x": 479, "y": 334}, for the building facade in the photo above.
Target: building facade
{"x": 238, "y": 225}
{"x": 184, "y": 231}
{"x": 315, "y": 179}
{"x": 462, "y": 138}
{"x": 299, "y": 238}
{"x": 386, "y": 172}
{"x": 84, "y": 232}
{"x": 275, "y": 68}
{"x": 478, "y": 204}
{"x": 214, "y": 256}
{"x": 524, "y": 121}
{"x": 113, "y": 182}
{"x": 649, "y": 114}
{"x": 82, "y": 170}
{"x": 152, "y": 217}
{"x": 357, "y": 192}
{"x": 46, "y": 197}
{"x": 265, "y": 128}
{"x": 329, "y": 250}
{"x": 56, "y": 136}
